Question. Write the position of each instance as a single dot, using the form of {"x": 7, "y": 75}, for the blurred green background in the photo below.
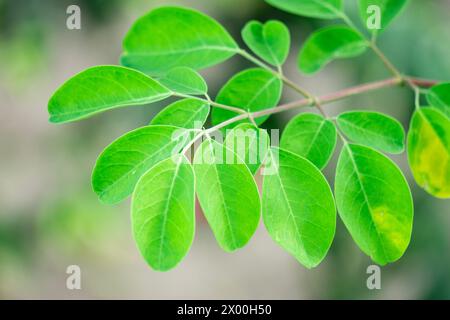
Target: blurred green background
{"x": 50, "y": 218}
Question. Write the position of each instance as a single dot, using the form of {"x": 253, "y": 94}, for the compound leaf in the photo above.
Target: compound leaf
{"x": 374, "y": 202}
{"x": 186, "y": 113}
{"x": 323, "y": 9}
{"x": 429, "y": 151}
{"x": 327, "y": 44}
{"x": 228, "y": 196}
{"x": 249, "y": 145}
{"x": 311, "y": 136}
{"x": 102, "y": 88}
{"x": 373, "y": 129}
{"x": 163, "y": 212}
{"x": 185, "y": 80}
{"x": 251, "y": 90}
{"x": 298, "y": 207}
{"x": 439, "y": 97}
{"x": 270, "y": 41}
{"x": 384, "y": 10}
{"x": 170, "y": 37}
{"x": 124, "y": 161}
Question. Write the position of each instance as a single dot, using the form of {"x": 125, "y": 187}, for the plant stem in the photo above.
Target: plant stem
{"x": 386, "y": 61}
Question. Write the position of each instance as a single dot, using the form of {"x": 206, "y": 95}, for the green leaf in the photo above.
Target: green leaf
{"x": 170, "y": 37}
{"x": 439, "y": 97}
{"x": 327, "y": 44}
{"x": 186, "y": 113}
{"x": 101, "y": 88}
{"x": 249, "y": 145}
{"x": 228, "y": 196}
{"x": 298, "y": 207}
{"x": 184, "y": 80}
{"x": 373, "y": 129}
{"x": 323, "y": 9}
{"x": 124, "y": 161}
{"x": 374, "y": 202}
{"x": 163, "y": 213}
{"x": 388, "y": 10}
{"x": 270, "y": 41}
{"x": 311, "y": 136}
{"x": 251, "y": 90}
{"x": 429, "y": 151}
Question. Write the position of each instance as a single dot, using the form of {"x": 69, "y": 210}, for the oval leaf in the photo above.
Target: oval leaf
{"x": 374, "y": 202}
{"x": 439, "y": 97}
{"x": 429, "y": 151}
{"x": 228, "y": 196}
{"x": 186, "y": 113}
{"x": 298, "y": 207}
{"x": 185, "y": 80}
{"x": 379, "y": 13}
{"x": 124, "y": 161}
{"x": 249, "y": 145}
{"x": 170, "y": 37}
{"x": 270, "y": 41}
{"x": 373, "y": 129}
{"x": 163, "y": 213}
{"x": 324, "y": 9}
{"x": 311, "y": 136}
{"x": 102, "y": 88}
{"x": 250, "y": 90}
{"x": 327, "y": 44}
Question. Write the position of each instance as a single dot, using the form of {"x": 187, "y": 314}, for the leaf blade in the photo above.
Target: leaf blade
{"x": 186, "y": 113}
{"x": 185, "y": 80}
{"x": 439, "y": 97}
{"x": 324, "y": 9}
{"x": 389, "y": 9}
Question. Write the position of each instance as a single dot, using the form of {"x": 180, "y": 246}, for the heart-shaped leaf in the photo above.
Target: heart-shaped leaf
{"x": 186, "y": 113}
{"x": 324, "y": 9}
{"x": 102, "y": 88}
{"x": 429, "y": 151}
{"x": 163, "y": 212}
{"x": 270, "y": 41}
{"x": 185, "y": 80}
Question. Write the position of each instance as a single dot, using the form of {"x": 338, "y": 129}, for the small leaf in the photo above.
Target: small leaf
{"x": 298, "y": 207}
{"x": 388, "y": 10}
{"x": 311, "y": 136}
{"x": 439, "y": 97}
{"x": 249, "y": 145}
{"x": 251, "y": 90}
{"x": 373, "y": 129}
{"x": 327, "y": 44}
{"x": 270, "y": 41}
{"x": 170, "y": 37}
{"x": 163, "y": 213}
{"x": 374, "y": 202}
{"x": 124, "y": 161}
{"x": 324, "y": 9}
{"x": 228, "y": 196}
{"x": 102, "y": 88}
{"x": 185, "y": 80}
{"x": 429, "y": 151}
{"x": 186, "y": 113}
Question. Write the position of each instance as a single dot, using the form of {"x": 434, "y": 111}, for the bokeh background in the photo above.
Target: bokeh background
{"x": 50, "y": 218}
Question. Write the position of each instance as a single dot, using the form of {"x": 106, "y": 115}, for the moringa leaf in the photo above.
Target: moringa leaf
{"x": 123, "y": 162}
{"x": 311, "y": 136}
{"x": 327, "y": 44}
{"x": 374, "y": 202}
{"x": 373, "y": 129}
{"x": 387, "y": 10}
{"x": 270, "y": 41}
{"x": 228, "y": 196}
{"x": 101, "y": 88}
{"x": 169, "y": 37}
{"x": 184, "y": 80}
{"x": 251, "y": 90}
{"x": 439, "y": 97}
{"x": 163, "y": 212}
{"x": 187, "y": 113}
{"x": 298, "y": 207}
{"x": 248, "y": 144}
{"x": 429, "y": 151}
{"x": 324, "y": 9}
